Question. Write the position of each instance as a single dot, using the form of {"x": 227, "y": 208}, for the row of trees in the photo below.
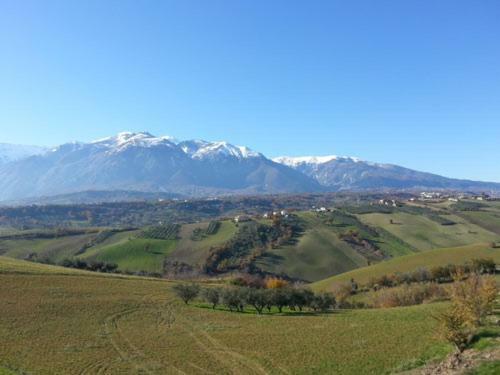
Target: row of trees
{"x": 93, "y": 265}
{"x": 237, "y": 298}
{"x": 438, "y": 274}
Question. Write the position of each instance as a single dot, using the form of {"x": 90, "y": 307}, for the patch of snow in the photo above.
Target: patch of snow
{"x": 295, "y": 161}
{"x": 213, "y": 149}
{"x": 124, "y": 140}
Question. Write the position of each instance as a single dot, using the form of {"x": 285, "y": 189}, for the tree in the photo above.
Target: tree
{"x": 300, "y": 298}
{"x": 212, "y": 295}
{"x": 280, "y": 297}
{"x": 186, "y": 292}
{"x": 257, "y": 298}
{"x": 323, "y": 302}
{"x": 231, "y": 298}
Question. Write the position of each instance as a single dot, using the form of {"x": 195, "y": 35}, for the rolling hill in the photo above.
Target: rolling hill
{"x": 323, "y": 244}
{"x": 86, "y": 323}
{"x": 407, "y": 263}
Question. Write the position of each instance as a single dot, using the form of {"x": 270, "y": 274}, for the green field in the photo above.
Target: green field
{"x": 319, "y": 250}
{"x": 424, "y": 234}
{"x": 54, "y": 249}
{"x": 194, "y": 252}
{"x": 320, "y": 253}
{"x": 81, "y": 323}
{"x": 490, "y": 220}
{"x": 429, "y": 259}
{"x": 136, "y": 254}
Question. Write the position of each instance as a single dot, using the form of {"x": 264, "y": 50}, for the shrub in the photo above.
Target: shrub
{"x": 186, "y": 292}
{"x": 422, "y": 274}
{"x": 276, "y": 283}
{"x": 408, "y": 295}
{"x": 483, "y": 266}
{"x": 474, "y": 297}
{"x": 342, "y": 293}
{"x": 454, "y": 329}
{"x": 252, "y": 281}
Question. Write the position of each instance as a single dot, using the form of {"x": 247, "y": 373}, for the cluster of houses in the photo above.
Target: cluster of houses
{"x": 387, "y": 202}
{"x": 267, "y": 215}
{"x": 320, "y": 209}
{"x": 440, "y": 197}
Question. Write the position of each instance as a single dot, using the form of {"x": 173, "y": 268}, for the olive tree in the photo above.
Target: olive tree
{"x": 186, "y": 292}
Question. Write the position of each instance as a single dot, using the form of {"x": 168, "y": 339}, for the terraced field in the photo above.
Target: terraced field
{"x": 80, "y": 323}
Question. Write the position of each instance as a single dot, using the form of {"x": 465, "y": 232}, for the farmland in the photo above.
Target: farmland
{"x": 75, "y": 321}
{"x": 86, "y": 323}
{"x": 320, "y": 244}
{"x": 428, "y": 259}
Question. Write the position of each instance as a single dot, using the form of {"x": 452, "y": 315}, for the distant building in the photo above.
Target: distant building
{"x": 241, "y": 219}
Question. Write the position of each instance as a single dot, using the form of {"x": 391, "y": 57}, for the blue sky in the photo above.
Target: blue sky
{"x": 415, "y": 83}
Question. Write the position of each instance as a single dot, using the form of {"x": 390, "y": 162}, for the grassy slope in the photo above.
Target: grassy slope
{"x": 84, "y": 324}
{"x": 16, "y": 266}
{"x": 425, "y": 234}
{"x": 317, "y": 254}
{"x": 457, "y": 255}
{"x": 54, "y": 249}
{"x": 489, "y": 220}
{"x": 135, "y": 254}
{"x": 194, "y": 252}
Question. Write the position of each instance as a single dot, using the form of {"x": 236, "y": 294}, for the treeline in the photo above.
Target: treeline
{"x": 93, "y": 265}
{"x": 237, "y": 299}
{"x": 438, "y": 274}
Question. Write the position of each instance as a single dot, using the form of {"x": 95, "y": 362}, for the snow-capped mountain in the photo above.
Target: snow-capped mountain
{"x": 296, "y": 161}
{"x": 141, "y": 162}
{"x": 351, "y": 173}
{"x": 124, "y": 140}
{"x": 205, "y": 150}
{"x": 9, "y": 152}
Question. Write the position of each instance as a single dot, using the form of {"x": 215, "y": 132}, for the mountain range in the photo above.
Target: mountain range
{"x": 141, "y": 162}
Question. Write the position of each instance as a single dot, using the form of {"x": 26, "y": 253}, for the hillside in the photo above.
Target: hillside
{"x": 305, "y": 245}
{"x": 428, "y": 259}
{"x": 87, "y": 324}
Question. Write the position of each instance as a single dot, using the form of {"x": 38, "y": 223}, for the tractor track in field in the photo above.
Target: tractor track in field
{"x": 129, "y": 355}
{"x": 235, "y": 362}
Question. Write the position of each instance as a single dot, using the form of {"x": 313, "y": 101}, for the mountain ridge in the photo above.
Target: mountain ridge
{"x": 194, "y": 168}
